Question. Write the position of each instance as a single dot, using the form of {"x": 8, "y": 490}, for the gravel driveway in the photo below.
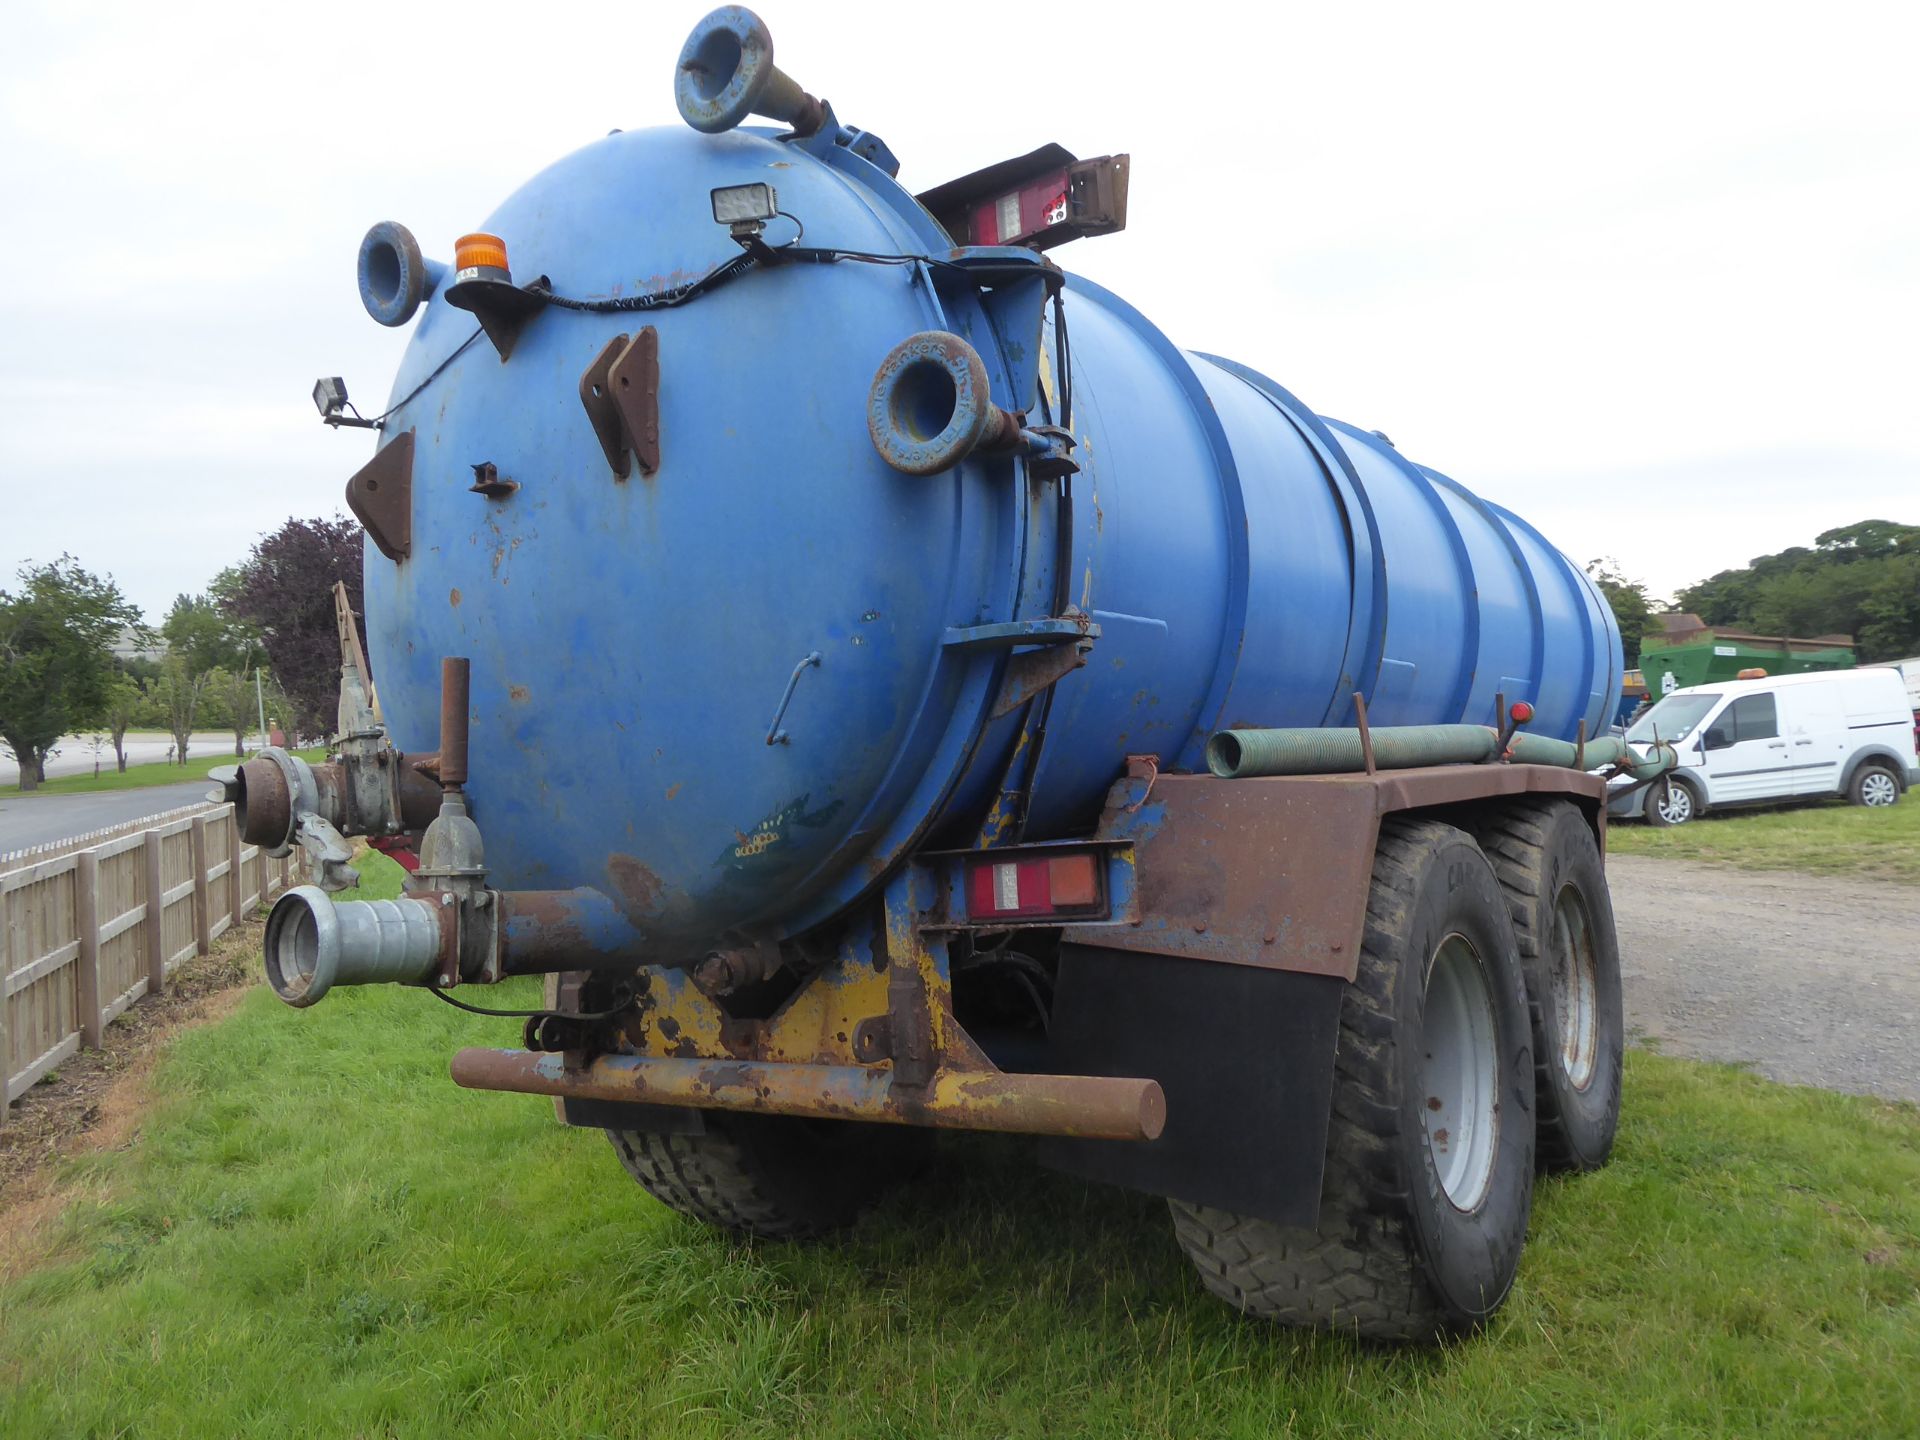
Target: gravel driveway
{"x": 1813, "y": 981}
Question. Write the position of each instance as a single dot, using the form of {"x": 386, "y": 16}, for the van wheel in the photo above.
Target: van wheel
{"x": 1874, "y": 786}
{"x": 1671, "y": 802}
{"x": 1549, "y": 865}
{"x": 773, "y": 1176}
{"x": 1429, "y": 1170}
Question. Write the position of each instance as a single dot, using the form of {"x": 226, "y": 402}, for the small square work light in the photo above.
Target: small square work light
{"x": 329, "y": 395}
{"x": 744, "y": 204}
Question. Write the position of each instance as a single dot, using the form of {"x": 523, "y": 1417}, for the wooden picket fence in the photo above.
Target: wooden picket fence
{"x": 84, "y": 935}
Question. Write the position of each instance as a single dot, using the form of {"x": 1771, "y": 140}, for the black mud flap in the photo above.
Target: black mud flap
{"x": 1245, "y": 1056}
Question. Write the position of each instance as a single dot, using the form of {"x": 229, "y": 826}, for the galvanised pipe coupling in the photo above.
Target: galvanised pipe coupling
{"x": 280, "y": 801}
{"x": 931, "y": 407}
{"x": 442, "y": 937}
{"x": 313, "y": 944}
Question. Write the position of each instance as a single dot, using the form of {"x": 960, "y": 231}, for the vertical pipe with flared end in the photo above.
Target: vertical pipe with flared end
{"x": 726, "y": 73}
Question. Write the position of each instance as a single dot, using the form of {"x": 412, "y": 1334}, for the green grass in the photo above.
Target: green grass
{"x": 1830, "y": 839}
{"x": 138, "y": 777}
{"x": 318, "y": 1234}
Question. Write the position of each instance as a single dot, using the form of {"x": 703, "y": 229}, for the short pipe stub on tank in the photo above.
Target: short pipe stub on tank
{"x": 930, "y": 405}
{"x": 394, "y": 276}
{"x": 726, "y": 73}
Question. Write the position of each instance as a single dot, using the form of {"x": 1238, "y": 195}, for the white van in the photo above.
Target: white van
{"x": 1745, "y": 742}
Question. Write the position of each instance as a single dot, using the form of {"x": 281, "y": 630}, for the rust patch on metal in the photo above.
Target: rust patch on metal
{"x": 518, "y": 692}
{"x": 1274, "y": 872}
{"x": 636, "y": 889}
{"x": 453, "y": 597}
{"x": 265, "y": 805}
{"x": 455, "y": 671}
{"x": 380, "y": 494}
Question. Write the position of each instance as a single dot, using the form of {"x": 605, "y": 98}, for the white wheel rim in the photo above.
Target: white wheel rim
{"x": 1460, "y": 1074}
{"x": 1676, "y": 805}
{"x": 1575, "y": 982}
{"x": 1879, "y": 789}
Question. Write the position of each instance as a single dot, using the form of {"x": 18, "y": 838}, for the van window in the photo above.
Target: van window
{"x": 1674, "y": 718}
{"x": 1751, "y": 717}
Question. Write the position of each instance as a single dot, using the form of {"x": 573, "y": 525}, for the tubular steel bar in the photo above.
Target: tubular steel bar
{"x": 1087, "y": 1106}
{"x": 454, "y": 673}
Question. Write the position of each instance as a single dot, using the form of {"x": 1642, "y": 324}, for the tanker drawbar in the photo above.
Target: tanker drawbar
{"x": 884, "y": 686}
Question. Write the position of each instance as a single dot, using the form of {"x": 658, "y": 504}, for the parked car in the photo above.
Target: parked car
{"x": 1793, "y": 737}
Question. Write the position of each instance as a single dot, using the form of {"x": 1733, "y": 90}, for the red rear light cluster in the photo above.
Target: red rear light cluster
{"x": 1030, "y": 887}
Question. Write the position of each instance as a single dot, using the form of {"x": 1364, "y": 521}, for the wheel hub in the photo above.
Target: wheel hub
{"x": 1574, "y": 977}
{"x": 1879, "y": 789}
{"x": 1676, "y": 804}
{"x": 1460, "y": 1072}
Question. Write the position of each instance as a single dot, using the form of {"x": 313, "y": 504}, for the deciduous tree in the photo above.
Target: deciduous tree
{"x": 56, "y": 656}
{"x": 1632, "y": 607}
{"x": 284, "y": 591}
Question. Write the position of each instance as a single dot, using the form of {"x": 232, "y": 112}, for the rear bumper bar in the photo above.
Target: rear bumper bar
{"x": 1087, "y": 1106}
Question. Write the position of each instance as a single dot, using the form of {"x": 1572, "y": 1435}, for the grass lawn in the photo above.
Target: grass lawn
{"x": 136, "y": 777}
{"x": 317, "y": 1234}
{"x": 1827, "y": 839}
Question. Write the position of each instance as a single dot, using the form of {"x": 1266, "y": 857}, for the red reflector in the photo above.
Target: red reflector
{"x": 1027, "y": 886}
{"x": 1071, "y": 880}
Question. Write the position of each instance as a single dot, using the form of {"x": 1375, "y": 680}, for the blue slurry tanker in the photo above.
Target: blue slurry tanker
{"x": 887, "y": 686}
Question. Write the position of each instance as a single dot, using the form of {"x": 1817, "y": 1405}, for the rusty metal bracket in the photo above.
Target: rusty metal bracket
{"x": 1032, "y": 671}
{"x": 380, "y": 494}
{"x": 596, "y": 399}
{"x": 635, "y": 378}
{"x": 488, "y": 481}
{"x": 873, "y": 1040}
{"x": 620, "y": 392}
{"x": 1366, "y": 731}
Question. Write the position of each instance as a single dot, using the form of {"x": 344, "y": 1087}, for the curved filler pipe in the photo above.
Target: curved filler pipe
{"x": 931, "y": 406}
{"x": 726, "y": 73}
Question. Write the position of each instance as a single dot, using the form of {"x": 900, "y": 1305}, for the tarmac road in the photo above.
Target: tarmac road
{"x": 37, "y": 819}
{"x": 144, "y": 747}
{"x": 1811, "y": 980}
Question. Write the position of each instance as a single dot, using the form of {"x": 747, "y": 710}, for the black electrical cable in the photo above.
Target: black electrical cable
{"x": 1065, "y": 356}
{"x": 656, "y": 299}
{"x": 739, "y": 265}
{"x": 432, "y": 375}
{"x": 523, "y": 1014}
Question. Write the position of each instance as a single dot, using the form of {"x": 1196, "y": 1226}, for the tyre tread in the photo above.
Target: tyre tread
{"x": 1357, "y": 1271}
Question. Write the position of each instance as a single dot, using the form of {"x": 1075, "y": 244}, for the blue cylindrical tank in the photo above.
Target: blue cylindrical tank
{"x": 734, "y": 692}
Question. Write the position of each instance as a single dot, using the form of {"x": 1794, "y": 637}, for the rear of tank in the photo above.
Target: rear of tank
{"x": 727, "y": 694}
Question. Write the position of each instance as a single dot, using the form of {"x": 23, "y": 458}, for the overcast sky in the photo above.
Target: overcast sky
{"x": 1648, "y": 275}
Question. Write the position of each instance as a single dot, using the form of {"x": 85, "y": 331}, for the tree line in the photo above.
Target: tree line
{"x": 262, "y": 628}
{"x": 1861, "y": 580}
